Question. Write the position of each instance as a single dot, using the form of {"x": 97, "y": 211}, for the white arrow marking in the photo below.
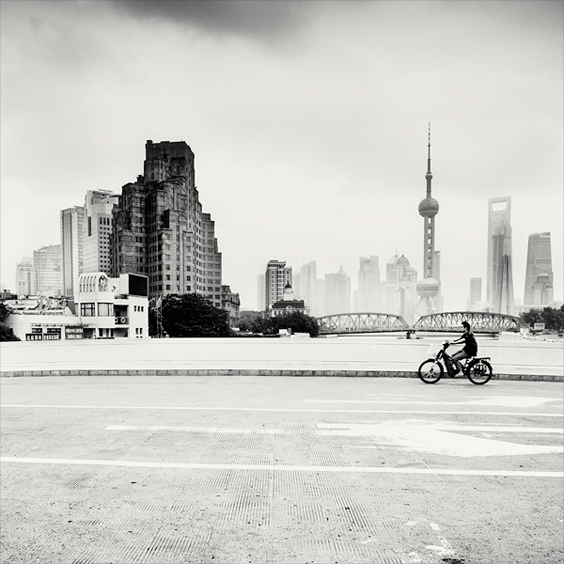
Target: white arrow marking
{"x": 431, "y": 437}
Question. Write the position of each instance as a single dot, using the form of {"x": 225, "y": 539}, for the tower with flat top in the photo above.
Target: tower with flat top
{"x": 428, "y": 287}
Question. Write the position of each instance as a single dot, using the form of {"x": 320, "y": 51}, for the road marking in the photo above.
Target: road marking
{"x": 498, "y": 402}
{"x": 233, "y": 430}
{"x": 433, "y": 437}
{"x": 278, "y": 410}
{"x": 269, "y": 467}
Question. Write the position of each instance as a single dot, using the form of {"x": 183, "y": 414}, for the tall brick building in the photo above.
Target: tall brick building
{"x": 160, "y": 230}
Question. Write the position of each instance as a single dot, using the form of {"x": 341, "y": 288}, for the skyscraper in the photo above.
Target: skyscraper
{"x": 47, "y": 271}
{"x": 71, "y": 248}
{"x": 539, "y": 278}
{"x": 429, "y": 287}
{"x": 98, "y": 206}
{"x": 276, "y": 276}
{"x": 401, "y": 287}
{"x": 475, "y": 294}
{"x": 499, "y": 289}
{"x": 337, "y": 293}
{"x": 307, "y": 288}
{"x": 159, "y": 228}
{"x": 369, "y": 290}
{"x": 25, "y": 277}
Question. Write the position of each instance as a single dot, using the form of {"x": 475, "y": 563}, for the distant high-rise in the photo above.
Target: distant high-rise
{"x": 337, "y": 293}
{"x": 475, "y": 294}
{"x": 401, "y": 288}
{"x": 159, "y": 228}
{"x": 47, "y": 271}
{"x": 429, "y": 287}
{"x": 276, "y": 276}
{"x": 369, "y": 290}
{"x": 98, "y": 206}
{"x": 71, "y": 248}
{"x": 499, "y": 289}
{"x": 539, "y": 278}
{"x": 24, "y": 277}
{"x": 260, "y": 292}
{"x": 307, "y": 287}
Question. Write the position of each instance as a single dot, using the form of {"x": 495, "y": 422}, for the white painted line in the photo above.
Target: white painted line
{"x": 233, "y": 430}
{"x": 450, "y": 427}
{"x": 269, "y": 467}
{"x": 497, "y": 401}
{"x": 277, "y": 410}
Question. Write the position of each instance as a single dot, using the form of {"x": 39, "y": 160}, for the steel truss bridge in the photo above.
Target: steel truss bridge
{"x": 481, "y": 322}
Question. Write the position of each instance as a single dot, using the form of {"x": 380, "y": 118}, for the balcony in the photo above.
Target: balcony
{"x": 122, "y": 320}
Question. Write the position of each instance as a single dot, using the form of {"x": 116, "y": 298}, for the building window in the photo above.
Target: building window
{"x": 87, "y": 310}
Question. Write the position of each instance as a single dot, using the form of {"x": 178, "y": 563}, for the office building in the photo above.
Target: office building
{"x": 98, "y": 207}
{"x": 160, "y": 229}
{"x": 369, "y": 292}
{"x": 25, "y": 277}
{"x": 307, "y": 287}
{"x": 402, "y": 288}
{"x": 47, "y": 271}
{"x": 499, "y": 285}
{"x": 276, "y": 276}
{"x": 539, "y": 278}
{"x": 71, "y": 247}
{"x": 475, "y": 295}
{"x": 337, "y": 293}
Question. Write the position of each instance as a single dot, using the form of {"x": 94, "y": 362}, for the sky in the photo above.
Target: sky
{"x": 309, "y": 122}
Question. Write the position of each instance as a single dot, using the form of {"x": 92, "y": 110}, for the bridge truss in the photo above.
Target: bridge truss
{"x": 361, "y": 323}
{"x": 480, "y": 322}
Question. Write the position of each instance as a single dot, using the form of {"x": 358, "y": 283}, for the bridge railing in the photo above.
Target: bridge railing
{"x": 361, "y": 323}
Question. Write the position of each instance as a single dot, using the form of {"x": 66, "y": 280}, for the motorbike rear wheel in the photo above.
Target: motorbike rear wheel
{"x": 430, "y": 371}
{"x": 479, "y": 372}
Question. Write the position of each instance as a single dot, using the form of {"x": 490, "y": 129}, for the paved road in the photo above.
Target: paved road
{"x": 280, "y": 470}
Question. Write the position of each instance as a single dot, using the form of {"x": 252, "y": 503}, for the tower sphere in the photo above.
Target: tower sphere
{"x": 427, "y": 288}
{"x": 429, "y": 207}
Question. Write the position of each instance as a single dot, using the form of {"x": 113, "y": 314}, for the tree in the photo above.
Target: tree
{"x": 6, "y": 333}
{"x": 297, "y": 321}
{"x": 191, "y": 315}
{"x": 553, "y": 318}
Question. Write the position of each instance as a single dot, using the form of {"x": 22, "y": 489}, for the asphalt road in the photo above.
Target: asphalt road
{"x": 241, "y": 469}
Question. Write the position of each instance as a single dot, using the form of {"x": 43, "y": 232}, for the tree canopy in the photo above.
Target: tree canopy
{"x": 190, "y": 315}
{"x": 6, "y": 333}
{"x": 553, "y": 318}
{"x": 296, "y": 321}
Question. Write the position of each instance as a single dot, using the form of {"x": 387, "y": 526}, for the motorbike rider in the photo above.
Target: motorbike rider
{"x": 470, "y": 348}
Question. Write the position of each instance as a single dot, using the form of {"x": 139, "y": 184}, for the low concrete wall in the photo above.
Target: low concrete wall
{"x": 367, "y": 355}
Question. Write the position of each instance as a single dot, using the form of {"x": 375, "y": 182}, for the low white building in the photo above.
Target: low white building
{"x": 105, "y": 308}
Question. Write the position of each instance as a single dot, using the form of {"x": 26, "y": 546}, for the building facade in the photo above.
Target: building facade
{"x": 98, "y": 207}
{"x": 47, "y": 270}
{"x": 369, "y": 295}
{"x": 307, "y": 288}
{"x": 499, "y": 285}
{"x": 25, "y": 277}
{"x": 539, "y": 278}
{"x": 231, "y": 303}
{"x": 276, "y": 276}
{"x": 401, "y": 288}
{"x": 337, "y": 290}
{"x": 475, "y": 294}
{"x": 288, "y": 304}
{"x": 72, "y": 225}
{"x": 160, "y": 230}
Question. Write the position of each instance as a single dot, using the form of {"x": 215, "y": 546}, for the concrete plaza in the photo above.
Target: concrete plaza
{"x": 260, "y": 469}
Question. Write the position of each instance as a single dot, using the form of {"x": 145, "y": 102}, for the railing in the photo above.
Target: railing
{"x": 361, "y": 323}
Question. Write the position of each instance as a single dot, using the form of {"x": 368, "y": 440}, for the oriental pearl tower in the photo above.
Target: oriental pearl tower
{"x": 428, "y": 287}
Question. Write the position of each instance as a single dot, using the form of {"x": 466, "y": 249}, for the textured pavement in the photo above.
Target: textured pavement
{"x": 245, "y": 469}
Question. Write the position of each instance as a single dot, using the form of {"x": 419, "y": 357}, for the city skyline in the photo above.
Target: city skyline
{"x": 308, "y": 120}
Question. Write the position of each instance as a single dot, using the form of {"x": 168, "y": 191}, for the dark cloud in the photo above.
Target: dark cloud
{"x": 274, "y": 19}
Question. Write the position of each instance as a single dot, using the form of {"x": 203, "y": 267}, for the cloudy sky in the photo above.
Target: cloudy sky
{"x": 308, "y": 120}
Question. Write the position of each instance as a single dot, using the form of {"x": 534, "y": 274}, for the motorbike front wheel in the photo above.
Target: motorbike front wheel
{"x": 430, "y": 371}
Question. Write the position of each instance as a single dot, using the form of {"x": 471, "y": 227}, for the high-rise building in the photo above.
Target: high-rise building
{"x": 539, "y": 278}
{"x": 159, "y": 228}
{"x": 499, "y": 288}
{"x": 429, "y": 287}
{"x": 337, "y": 293}
{"x": 276, "y": 276}
{"x": 369, "y": 291}
{"x": 401, "y": 288}
{"x": 47, "y": 271}
{"x": 260, "y": 292}
{"x": 475, "y": 295}
{"x": 307, "y": 287}
{"x": 25, "y": 277}
{"x": 71, "y": 248}
{"x": 98, "y": 206}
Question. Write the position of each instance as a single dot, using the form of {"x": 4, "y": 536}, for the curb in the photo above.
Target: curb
{"x": 258, "y": 372}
